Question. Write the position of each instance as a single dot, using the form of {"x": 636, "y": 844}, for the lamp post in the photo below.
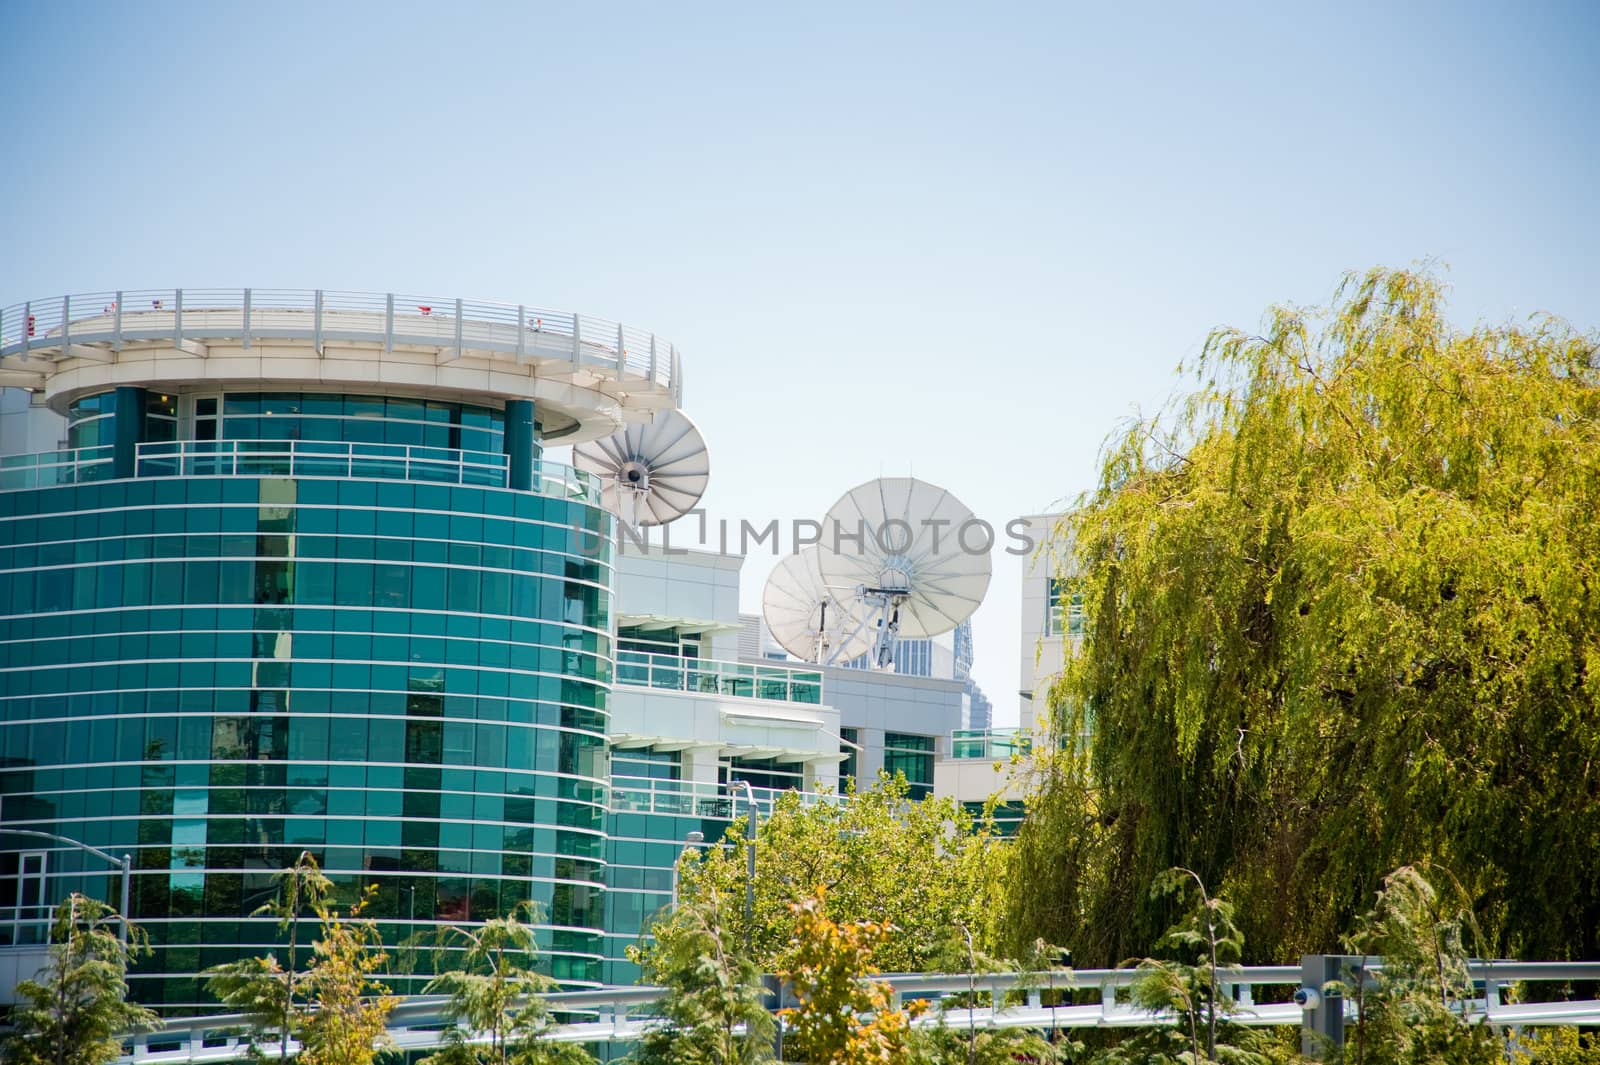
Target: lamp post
{"x": 125, "y": 863}
{"x": 750, "y": 875}
{"x": 691, "y": 841}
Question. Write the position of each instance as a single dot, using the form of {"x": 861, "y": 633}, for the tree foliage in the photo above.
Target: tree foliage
{"x": 348, "y": 1024}
{"x": 1205, "y": 945}
{"x": 75, "y": 1011}
{"x": 944, "y": 1043}
{"x": 1556, "y": 1046}
{"x": 335, "y": 1008}
{"x": 856, "y": 856}
{"x": 844, "y": 1017}
{"x": 494, "y": 992}
{"x": 715, "y": 1010}
{"x": 262, "y": 988}
{"x": 1417, "y": 1009}
{"x": 1341, "y": 614}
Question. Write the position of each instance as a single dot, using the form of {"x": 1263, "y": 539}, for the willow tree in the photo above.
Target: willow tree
{"x": 1341, "y": 614}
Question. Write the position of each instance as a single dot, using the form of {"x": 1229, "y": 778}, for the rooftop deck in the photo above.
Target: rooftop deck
{"x": 585, "y": 372}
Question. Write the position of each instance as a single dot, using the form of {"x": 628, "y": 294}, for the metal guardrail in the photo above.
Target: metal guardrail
{"x": 747, "y": 680}
{"x": 294, "y": 458}
{"x": 621, "y": 1014}
{"x": 521, "y": 331}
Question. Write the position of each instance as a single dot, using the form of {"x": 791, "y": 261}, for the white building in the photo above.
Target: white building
{"x": 1050, "y": 622}
{"x": 703, "y": 704}
{"x": 984, "y": 762}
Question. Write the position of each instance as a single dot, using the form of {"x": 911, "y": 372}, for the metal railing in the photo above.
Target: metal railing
{"x": 318, "y": 458}
{"x": 623, "y": 1014}
{"x": 392, "y": 319}
{"x": 49, "y": 468}
{"x": 295, "y": 458}
{"x": 989, "y": 744}
{"x": 747, "y": 680}
{"x": 689, "y": 798}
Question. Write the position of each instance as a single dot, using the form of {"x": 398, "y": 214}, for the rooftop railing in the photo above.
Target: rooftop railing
{"x": 517, "y": 330}
{"x": 641, "y": 669}
{"x": 294, "y": 458}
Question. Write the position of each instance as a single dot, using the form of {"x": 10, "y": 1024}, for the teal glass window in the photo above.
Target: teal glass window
{"x": 912, "y": 755}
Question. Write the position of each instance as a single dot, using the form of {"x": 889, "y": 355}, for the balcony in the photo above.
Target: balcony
{"x": 686, "y": 798}
{"x": 293, "y": 458}
{"x": 989, "y": 745}
{"x": 665, "y": 672}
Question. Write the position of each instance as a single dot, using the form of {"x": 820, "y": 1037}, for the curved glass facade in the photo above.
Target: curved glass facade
{"x": 213, "y": 674}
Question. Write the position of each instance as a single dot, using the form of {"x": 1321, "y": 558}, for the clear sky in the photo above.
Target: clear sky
{"x": 957, "y": 240}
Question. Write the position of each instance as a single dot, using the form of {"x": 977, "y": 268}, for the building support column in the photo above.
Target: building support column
{"x": 128, "y": 412}
{"x": 521, "y": 447}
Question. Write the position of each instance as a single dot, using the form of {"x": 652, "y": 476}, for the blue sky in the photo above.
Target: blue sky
{"x": 962, "y": 241}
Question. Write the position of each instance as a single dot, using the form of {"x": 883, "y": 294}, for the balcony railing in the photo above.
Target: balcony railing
{"x": 294, "y": 458}
{"x": 673, "y": 673}
{"x": 687, "y": 798}
{"x": 989, "y": 744}
{"x": 50, "y": 468}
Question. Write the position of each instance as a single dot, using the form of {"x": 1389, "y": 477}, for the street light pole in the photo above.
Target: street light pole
{"x": 691, "y": 842}
{"x": 125, "y": 863}
{"x": 750, "y": 874}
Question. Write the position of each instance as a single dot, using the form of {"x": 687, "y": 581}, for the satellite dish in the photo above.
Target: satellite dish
{"x": 915, "y": 561}
{"x": 806, "y": 618}
{"x": 651, "y": 473}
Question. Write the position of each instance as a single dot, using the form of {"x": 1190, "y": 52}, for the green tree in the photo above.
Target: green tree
{"x": 1207, "y": 944}
{"x": 715, "y": 1010}
{"x": 1416, "y": 1009}
{"x": 335, "y": 1008}
{"x": 856, "y": 855}
{"x": 351, "y": 1007}
{"x": 261, "y": 988}
{"x": 494, "y": 991}
{"x": 844, "y": 1016}
{"x": 1556, "y": 1046}
{"x": 75, "y": 1011}
{"x": 969, "y": 1044}
{"x": 1339, "y": 616}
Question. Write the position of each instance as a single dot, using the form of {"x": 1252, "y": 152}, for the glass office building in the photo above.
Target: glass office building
{"x": 300, "y": 580}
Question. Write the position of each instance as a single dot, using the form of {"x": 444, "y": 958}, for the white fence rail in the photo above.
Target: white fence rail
{"x": 623, "y": 1014}
{"x": 519, "y": 330}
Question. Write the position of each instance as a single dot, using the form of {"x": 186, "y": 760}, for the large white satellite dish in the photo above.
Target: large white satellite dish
{"x": 806, "y": 618}
{"x": 913, "y": 552}
{"x": 650, "y": 473}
